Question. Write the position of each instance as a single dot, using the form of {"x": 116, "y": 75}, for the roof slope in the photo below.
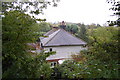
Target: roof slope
{"x": 60, "y": 38}
{"x": 50, "y": 32}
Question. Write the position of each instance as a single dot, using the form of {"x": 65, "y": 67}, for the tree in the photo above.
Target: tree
{"x": 106, "y": 39}
{"x": 17, "y": 31}
{"x": 116, "y": 9}
{"x": 73, "y": 28}
{"x": 82, "y": 33}
{"x": 44, "y": 27}
{"x": 41, "y": 28}
{"x": 99, "y": 61}
{"x": 103, "y": 51}
{"x": 35, "y": 7}
{"x": 71, "y": 70}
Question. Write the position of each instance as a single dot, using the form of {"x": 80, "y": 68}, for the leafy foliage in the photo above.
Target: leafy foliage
{"x": 24, "y": 6}
{"x": 29, "y": 67}
{"x": 71, "y": 70}
{"x": 82, "y": 33}
{"x": 73, "y": 28}
{"x": 99, "y": 61}
{"x": 41, "y": 28}
{"x": 103, "y": 50}
{"x": 18, "y": 30}
{"x": 44, "y": 27}
{"x": 105, "y": 40}
{"x": 116, "y": 8}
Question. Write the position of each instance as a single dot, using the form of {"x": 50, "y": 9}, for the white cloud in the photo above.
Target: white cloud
{"x": 86, "y": 11}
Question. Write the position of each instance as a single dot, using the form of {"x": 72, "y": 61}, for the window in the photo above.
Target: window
{"x": 41, "y": 45}
{"x": 50, "y": 49}
{"x": 53, "y": 64}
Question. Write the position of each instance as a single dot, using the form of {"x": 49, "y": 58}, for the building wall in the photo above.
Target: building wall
{"x": 64, "y": 51}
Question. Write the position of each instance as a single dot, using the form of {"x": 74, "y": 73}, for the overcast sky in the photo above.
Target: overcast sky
{"x": 79, "y": 11}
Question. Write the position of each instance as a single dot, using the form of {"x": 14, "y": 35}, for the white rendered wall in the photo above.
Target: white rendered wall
{"x": 63, "y": 51}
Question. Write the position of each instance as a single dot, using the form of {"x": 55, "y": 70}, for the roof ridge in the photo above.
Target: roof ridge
{"x": 53, "y": 36}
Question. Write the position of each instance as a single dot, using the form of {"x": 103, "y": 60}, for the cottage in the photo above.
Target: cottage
{"x": 64, "y": 43}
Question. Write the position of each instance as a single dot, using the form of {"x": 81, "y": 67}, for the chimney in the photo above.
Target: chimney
{"x": 62, "y": 25}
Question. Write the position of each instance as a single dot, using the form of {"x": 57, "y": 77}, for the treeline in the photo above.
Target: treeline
{"x": 80, "y": 30}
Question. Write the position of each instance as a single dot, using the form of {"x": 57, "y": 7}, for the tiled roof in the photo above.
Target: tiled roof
{"x": 60, "y": 38}
{"x": 50, "y": 32}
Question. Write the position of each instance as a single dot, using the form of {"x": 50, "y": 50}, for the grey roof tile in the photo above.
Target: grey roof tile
{"x": 61, "y": 37}
{"x": 50, "y": 32}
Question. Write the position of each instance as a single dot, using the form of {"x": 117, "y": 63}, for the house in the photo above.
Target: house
{"x": 64, "y": 43}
